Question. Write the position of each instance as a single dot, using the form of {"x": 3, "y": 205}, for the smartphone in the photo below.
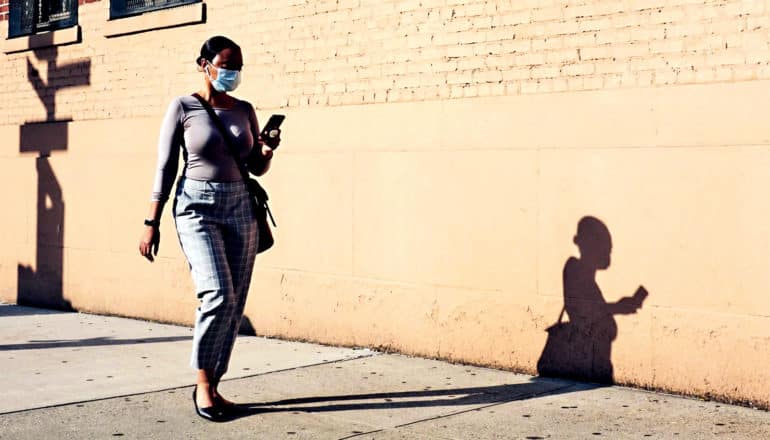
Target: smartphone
{"x": 271, "y": 128}
{"x": 640, "y": 295}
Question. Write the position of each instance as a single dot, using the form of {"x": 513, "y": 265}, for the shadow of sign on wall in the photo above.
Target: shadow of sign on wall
{"x": 43, "y": 284}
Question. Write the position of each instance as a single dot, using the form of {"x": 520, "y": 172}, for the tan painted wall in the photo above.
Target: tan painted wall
{"x": 434, "y": 223}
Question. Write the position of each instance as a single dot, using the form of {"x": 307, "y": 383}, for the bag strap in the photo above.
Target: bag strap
{"x": 261, "y": 193}
{"x": 228, "y": 140}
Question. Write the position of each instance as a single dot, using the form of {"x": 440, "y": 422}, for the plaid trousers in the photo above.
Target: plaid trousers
{"x": 216, "y": 227}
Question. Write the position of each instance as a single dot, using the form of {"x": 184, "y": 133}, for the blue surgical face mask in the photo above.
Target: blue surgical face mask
{"x": 226, "y": 80}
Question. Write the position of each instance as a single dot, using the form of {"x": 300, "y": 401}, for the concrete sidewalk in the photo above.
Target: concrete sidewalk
{"x": 71, "y": 375}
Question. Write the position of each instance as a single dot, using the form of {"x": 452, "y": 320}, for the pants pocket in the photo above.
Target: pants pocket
{"x": 193, "y": 200}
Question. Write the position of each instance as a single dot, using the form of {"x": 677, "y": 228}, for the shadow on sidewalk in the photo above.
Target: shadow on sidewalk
{"x": 483, "y": 396}
{"x": 90, "y": 342}
{"x": 7, "y": 310}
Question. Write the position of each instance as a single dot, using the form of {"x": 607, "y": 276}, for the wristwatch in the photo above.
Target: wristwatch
{"x": 150, "y": 222}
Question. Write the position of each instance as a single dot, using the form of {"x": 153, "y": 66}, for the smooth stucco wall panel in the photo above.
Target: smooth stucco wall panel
{"x": 9, "y": 261}
{"x": 532, "y": 121}
{"x": 720, "y": 355}
{"x": 427, "y": 238}
{"x": 393, "y": 127}
{"x": 311, "y": 200}
{"x": 18, "y": 222}
{"x": 9, "y": 147}
{"x": 125, "y": 284}
{"x": 662, "y": 116}
{"x": 19, "y": 198}
{"x": 115, "y": 140}
{"x": 560, "y": 120}
{"x": 12, "y": 256}
{"x": 452, "y": 218}
{"x": 342, "y": 310}
{"x": 85, "y": 189}
{"x": 689, "y": 224}
{"x": 497, "y": 328}
{"x": 633, "y": 352}
{"x": 131, "y": 199}
{"x": 504, "y": 328}
{"x": 714, "y": 115}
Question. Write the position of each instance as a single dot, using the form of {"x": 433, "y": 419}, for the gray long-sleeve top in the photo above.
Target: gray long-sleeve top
{"x": 206, "y": 155}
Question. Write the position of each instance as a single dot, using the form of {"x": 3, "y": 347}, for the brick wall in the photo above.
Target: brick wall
{"x": 323, "y": 53}
{"x": 375, "y": 51}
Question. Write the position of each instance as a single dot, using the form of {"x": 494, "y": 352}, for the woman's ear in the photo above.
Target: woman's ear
{"x": 201, "y": 64}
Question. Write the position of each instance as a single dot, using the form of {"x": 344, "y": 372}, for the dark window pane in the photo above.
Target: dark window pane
{"x": 59, "y": 9}
{"x": 21, "y": 17}
{"x": 123, "y": 8}
{"x": 29, "y": 16}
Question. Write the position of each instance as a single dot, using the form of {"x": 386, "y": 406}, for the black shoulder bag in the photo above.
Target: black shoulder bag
{"x": 257, "y": 194}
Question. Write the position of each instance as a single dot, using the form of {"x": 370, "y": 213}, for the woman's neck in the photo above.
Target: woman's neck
{"x": 216, "y": 99}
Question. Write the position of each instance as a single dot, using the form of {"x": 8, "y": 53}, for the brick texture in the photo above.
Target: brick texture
{"x": 340, "y": 52}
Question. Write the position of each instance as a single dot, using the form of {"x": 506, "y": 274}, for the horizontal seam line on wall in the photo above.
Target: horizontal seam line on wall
{"x": 539, "y": 148}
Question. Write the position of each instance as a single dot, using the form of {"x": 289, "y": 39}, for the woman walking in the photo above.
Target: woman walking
{"x": 214, "y": 217}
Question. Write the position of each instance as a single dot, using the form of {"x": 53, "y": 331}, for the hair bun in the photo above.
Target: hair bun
{"x": 213, "y": 46}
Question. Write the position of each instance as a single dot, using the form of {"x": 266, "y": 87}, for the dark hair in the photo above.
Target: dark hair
{"x": 213, "y": 46}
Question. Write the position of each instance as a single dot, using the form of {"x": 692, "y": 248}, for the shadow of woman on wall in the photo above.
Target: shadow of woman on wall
{"x": 581, "y": 348}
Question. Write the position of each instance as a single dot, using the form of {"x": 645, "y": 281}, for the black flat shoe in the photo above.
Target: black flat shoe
{"x": 210, "y": 413}
{"x": 220, "y": 401}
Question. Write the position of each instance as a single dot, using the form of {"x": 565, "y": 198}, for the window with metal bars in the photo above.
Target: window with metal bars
{"x": 127, "y": 8}
{"x": 27, "y": 17}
